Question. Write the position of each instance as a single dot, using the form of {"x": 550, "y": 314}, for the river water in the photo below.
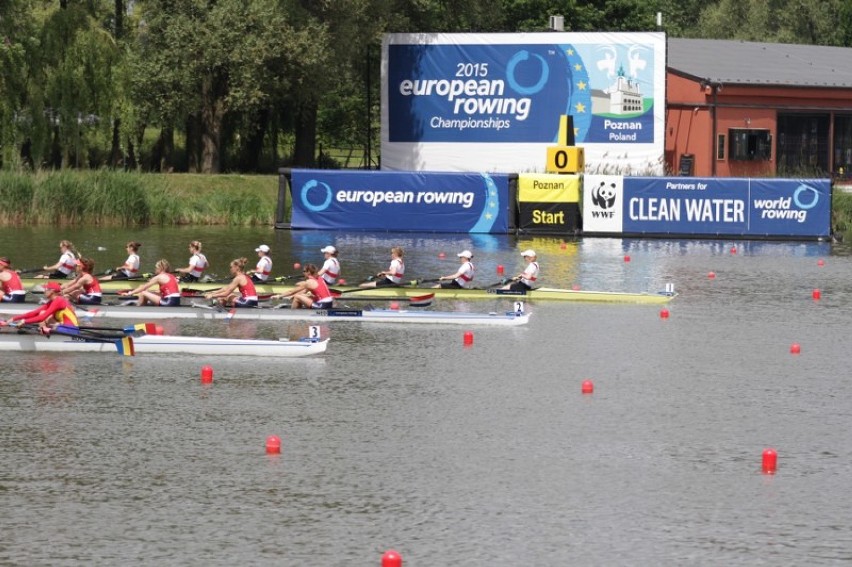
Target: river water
{"x": 400, "y": 437}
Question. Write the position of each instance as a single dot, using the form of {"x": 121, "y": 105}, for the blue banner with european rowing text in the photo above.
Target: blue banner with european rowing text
{"x": 730, "y": 206}
{"x": 400, "y": 201}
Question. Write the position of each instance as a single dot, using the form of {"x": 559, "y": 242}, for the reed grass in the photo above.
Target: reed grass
{"x": 110, "y": 198}
{"x": 16, "y": 194}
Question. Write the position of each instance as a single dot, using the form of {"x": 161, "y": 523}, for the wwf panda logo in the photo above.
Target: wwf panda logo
{"x": 603, "y": 196}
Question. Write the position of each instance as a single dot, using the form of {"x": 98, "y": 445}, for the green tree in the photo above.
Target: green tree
{"x": 812, "y": 22}
{"x": 200, "y": 61}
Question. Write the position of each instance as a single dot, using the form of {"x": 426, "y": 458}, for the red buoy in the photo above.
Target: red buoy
{"x": 341, "y": 281}
{"x": 626, "y": 258}
{"x": 206, "y": 374}
{"x": 441, "y": 255}
{"x": 576, "y": 287}
{"x": 391, "y": 558}
{"x": 500, "y": 269}
{"x": 297, "y": 266}
{"x": 711, "y": 275}
{"x": 770, "y": 461}
{"x": 587, "y": 387}
{"x": 273, "y": 445}
{"x": 664, "y": 313}
{"x": 795, "y": 348}
{"x": 733, "y": 249}
{"x": 468, "y": 338}
{"x": 817, "y": 294}
{"x": 820, "y": 262}
{"x": 394, "y": 305}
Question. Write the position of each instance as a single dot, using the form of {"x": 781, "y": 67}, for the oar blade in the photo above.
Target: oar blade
{"x": 125, "y": 347}
{"x": 421, "y": 300}
{"x": 146, "y": 328}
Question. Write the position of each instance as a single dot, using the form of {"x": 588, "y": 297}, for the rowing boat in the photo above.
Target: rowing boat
{"x": 165, "y": 344}
{"x": 391, "y": 293}
{"x": 206, "y": 312}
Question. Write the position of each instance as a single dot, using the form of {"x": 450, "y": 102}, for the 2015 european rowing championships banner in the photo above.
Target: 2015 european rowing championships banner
{"x": 411, "y": 201}
{"x": 492, "y": 102}
{"x": 548, "y": 203}
{"x": 707, "y": 206}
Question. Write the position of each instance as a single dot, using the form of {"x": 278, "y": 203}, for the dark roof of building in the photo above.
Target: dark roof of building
{"x": 750, "y": 63}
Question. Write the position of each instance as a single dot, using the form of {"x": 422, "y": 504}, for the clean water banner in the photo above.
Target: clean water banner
{"x": 707, "y": 206}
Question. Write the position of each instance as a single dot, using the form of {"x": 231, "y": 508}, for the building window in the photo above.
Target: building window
{"x": 749, "y": 145}
{"x": 843, "y": 146}
{"x": 720, "y": 147}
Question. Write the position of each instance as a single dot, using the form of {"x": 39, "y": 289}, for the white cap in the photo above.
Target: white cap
{"x": 329, "y": 249}
{"x": 526, "y": 253}
{"x": 465, "y": 254}
{"x": 262, "y": 248}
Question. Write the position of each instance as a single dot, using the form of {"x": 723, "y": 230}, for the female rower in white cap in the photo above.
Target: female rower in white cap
{"x": 261, "y": 271}
{"x": 463, "y": 277}
{"x": 526, "y": 279}
{"x": 330, "y": 270}
{"x": 395, "y": 272}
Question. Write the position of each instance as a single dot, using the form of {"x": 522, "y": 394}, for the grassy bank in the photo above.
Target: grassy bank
{"x": 110, "y": 198}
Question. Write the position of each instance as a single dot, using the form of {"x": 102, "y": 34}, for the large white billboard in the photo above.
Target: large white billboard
{"x": 492, "y": 102}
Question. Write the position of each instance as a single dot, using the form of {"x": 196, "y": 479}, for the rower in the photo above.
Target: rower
{"x": 85, "y": 289}
{"x": 66, "y": 264}
{"x": 130, "y": 268}
{"x": 394, "y": 274}
{"x": 264, "y": 265}
{"x": 229, "y": 295}
{"x": 330, "y": 270}
{"x": 464, "y": 275}
{"x": 526, "y": 279}
{"x": 169, "y": 293}
{"x": 57, "y": 311}
{"x": 197, "y": 264}
{"x": 311, "y": 293}
{"x": 10, "y": 282}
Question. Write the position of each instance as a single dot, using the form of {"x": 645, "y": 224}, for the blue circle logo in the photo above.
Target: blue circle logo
{"x": 797, "y": 197}
{"x": 312, "y": 184}
{"x": 518, "y": 57}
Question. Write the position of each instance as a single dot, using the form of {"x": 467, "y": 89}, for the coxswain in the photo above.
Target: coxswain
{"x": 85, "y": 289}
{"x": 310, "y": 293}
{"x": 130, "y": 268}
{"x": 240, "y": 292}
{"x": 464, "y": 275}
{"x": 264, "y": 265}
{"x": 169, "y": 292}
{"x": 197, "y": 264}
{"x": 330, "y": 270}
{"x": 526, "y": 279}
{"x": 66, "y": 264}
{"x": 10, "y": 282}
{"x": 57, "y": 311}
{"x": 394, "y": 274}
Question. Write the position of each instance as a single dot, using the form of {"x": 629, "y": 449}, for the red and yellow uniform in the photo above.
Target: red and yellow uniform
{"x": 58, "y": 307}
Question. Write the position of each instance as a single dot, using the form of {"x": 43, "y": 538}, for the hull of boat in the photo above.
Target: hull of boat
{"x": 320, "y": 316}
{"x": 390, "y": 293}
{"x": 165, "y": 344}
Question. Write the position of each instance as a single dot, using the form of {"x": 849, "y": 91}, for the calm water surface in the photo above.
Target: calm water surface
{"x": 398, "y": 437}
